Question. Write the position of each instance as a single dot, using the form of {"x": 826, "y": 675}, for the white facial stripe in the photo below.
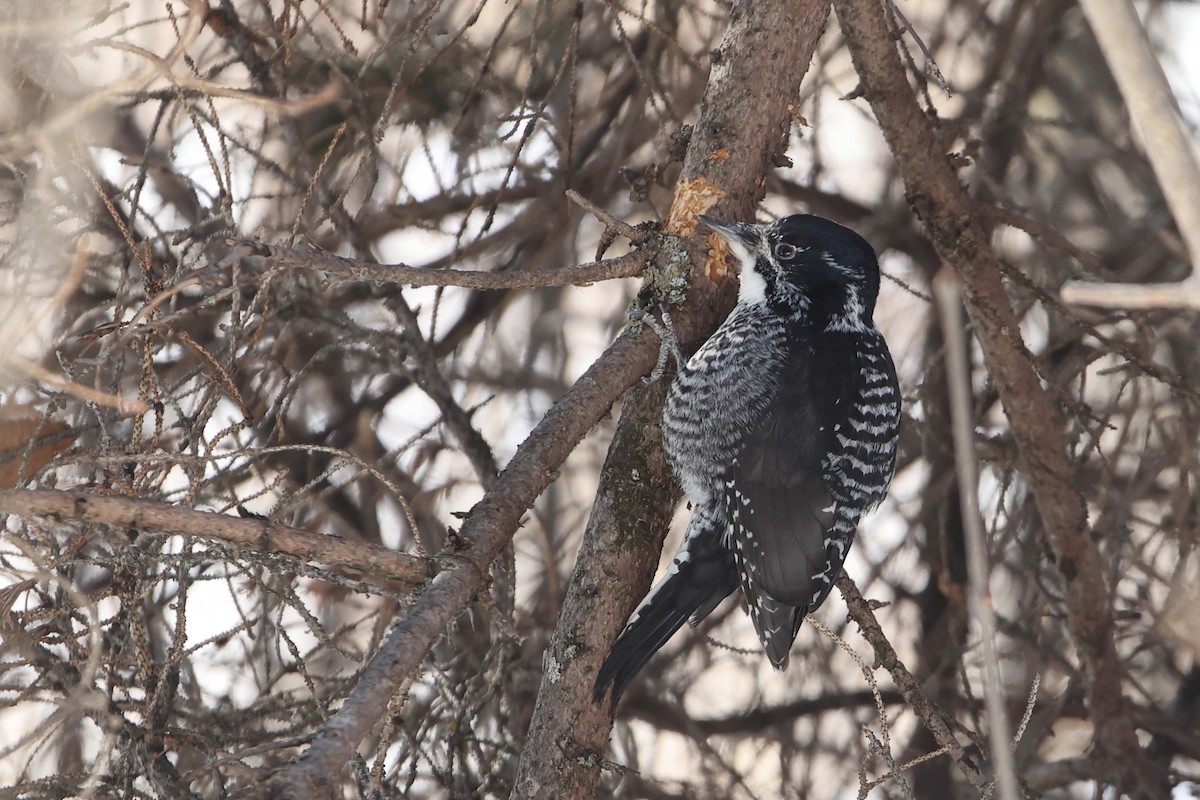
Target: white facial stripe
{"x": 752, "y": 289}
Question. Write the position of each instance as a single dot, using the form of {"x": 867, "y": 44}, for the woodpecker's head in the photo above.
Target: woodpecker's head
{"x": 805, "y": 264}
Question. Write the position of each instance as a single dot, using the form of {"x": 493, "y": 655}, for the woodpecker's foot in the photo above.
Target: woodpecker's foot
{"x": 670, "y": 342}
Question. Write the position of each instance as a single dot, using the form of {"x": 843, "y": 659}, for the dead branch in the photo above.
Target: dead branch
{"x": 935, "y": 719}
{"x": 619, "y": 226}
{"x": 372, "y": 564}
{"x": 979, "y": 596}
{"x": 342, "y": 269}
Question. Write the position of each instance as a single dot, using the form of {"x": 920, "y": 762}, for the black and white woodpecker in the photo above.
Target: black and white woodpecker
{"x": 782, "y": 431}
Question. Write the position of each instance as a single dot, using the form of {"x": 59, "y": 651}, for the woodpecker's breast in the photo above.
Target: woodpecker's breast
{"x": 717, "y": 397}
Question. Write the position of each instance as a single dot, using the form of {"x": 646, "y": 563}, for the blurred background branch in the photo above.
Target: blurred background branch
{"x": 1168, "y": 145}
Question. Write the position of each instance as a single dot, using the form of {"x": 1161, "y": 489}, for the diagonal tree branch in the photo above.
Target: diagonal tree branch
{"x": 946, "y": 210}
{"x": 939, "y": 723}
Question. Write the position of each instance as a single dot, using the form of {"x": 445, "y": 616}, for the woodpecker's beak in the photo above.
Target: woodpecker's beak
{"x": 738, "y": 234}
{"x": 743, "y": 239}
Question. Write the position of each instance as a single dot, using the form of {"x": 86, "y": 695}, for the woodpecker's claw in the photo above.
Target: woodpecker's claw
{"x": 670, "y": 342}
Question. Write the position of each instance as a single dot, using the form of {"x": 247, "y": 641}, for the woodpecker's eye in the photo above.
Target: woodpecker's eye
{"x": 784, "y": 251}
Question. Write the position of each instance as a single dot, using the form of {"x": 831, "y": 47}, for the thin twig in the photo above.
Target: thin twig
{"x": 1029, "y": 706}
{"x": 429, "y": 377}
{"x": 349, "y": 269}
{"x": 979, "y": 601}
{"x": 931, "y": 66}
{"x": 126, "y": 405}
{"x": 620, "y": 226}
{"x": 936, "y": 720}
{"x": 883, "y": 743}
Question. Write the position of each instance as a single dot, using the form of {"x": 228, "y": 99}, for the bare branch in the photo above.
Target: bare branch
{"x": 624, "y": 228}
{"x": 341, "y": 268}
{"x": 939, "y": 723}
{"x": 931, "y": 66}
{"x": 375, "y": 564}
{"x": 1133, "y": 296}
{"x": 979, "y": 596}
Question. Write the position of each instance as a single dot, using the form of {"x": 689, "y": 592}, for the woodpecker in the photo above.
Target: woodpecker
{"x": 782, "y": 431}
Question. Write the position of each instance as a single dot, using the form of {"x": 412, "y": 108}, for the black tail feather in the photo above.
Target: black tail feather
{"x": 702, "y": 575}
